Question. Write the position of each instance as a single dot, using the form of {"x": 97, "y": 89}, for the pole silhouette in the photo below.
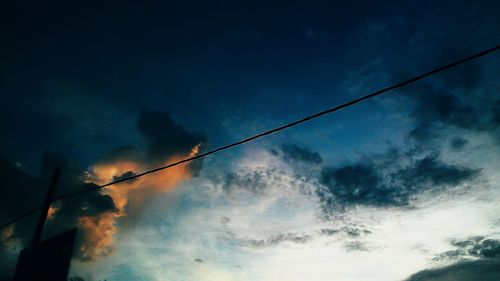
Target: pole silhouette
{"x": 46, "y": 204}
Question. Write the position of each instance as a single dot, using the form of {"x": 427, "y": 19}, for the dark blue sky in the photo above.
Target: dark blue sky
{"x": 96, "y": 84}
{"x": 75, "y": 78}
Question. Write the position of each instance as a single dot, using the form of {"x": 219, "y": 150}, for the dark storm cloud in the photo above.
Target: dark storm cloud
{"x": 293, "y": 152}
{"x": 360, "y": 184}
{"x": 20, "y": 191}
{"x": 475, "y": 247}
{"x": 460, "y": 101}
{"x": 446, "y": 109}
{"x": 484, "y": 270}
{"x": 387, "y": 183}
{"x": 164, "y": 137}
{"x": 430, "y": 171}
{"x": 128, "y": 152}
{"x": 389, "y": 179}
{"x": 480, "y": 247}
{"x": 463, "y": 98}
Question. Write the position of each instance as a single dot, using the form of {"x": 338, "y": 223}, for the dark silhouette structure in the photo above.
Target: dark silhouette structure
{"x": 48, "y": 260}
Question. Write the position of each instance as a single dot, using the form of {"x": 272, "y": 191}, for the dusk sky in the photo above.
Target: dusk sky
{"x": 403, "y": 186}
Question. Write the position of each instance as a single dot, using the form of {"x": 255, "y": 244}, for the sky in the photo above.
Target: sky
{"x": 401, "y": 187}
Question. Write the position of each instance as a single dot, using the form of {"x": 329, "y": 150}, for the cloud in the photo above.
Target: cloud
{"x": 71, "y": 211}
{"x": 267, "y": 177}
{"x": 430, "y": 171}
{"x": 96, "y": 213}
{"x": 389, "y": 179}
{"x": 472, "y": 247}
{"x": 167, "y": 143}
{"x": 437, "y": 109}
{"x": 460, "y": 100}
{"x": 275, "y": 230}
{"x": 345, "y": 234}
{"x": 359, "y": 184}
{"x": 293, "y": 152}
{"x": 388, "y": 183}
{"x": 455, "y": 103}
{"x": 352, "y": 246}
{"x": 279, "y": 239}
{"x": 255, "y": 180}
{"x": 484, "y": 270}
{"x": 458, "y": 143}
{"x": 163, "y": 137}
{"x": 479, "y": 259}
{"x": 21, "y": 192}
{"x": 348, "y": 231}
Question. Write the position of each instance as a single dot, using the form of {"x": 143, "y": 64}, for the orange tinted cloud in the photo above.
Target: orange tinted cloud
{"x": 52, "y": 212}
{"x": 6, "y": 234}
{"x": 100, "y": 230}
{"x": 99, "y": 233}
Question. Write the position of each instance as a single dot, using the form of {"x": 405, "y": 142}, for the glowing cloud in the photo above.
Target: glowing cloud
{"x": 100, "y": 230}
{"x": 6, "y": 234}
{"x": 52, "y": 212}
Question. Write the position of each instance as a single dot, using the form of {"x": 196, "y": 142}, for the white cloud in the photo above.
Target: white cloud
{"x": 207, "y": 240}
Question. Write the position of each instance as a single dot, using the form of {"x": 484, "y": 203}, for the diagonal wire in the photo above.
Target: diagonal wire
{"x": 18, "y": 217}
{"x": 278, "y": 129}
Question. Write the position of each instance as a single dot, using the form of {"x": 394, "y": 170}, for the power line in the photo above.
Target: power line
{"x": 25, "y": 214}
{"x": 275, "y": 130}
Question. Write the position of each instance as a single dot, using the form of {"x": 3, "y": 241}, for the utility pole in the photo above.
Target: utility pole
{"x": 45, "y": 208}
{"x": 49, "y": 259}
